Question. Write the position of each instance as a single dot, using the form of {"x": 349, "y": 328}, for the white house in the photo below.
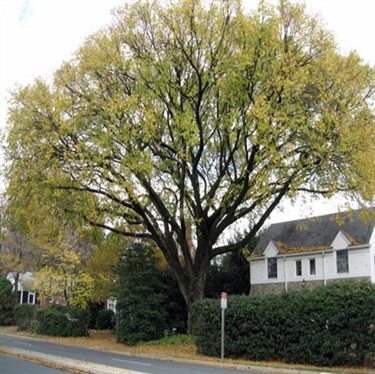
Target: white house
{"x": 25, "y": 282}
{"x": 313, "y": 251}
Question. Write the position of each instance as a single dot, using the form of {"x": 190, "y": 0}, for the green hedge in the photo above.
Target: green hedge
{"x": 25, "y": 316}
{"x": 59, "y": 320}
{"x": 330, "y": 325}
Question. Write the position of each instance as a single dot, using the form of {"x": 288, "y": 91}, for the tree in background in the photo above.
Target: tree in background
{"x": 174, "y": 304}
{"x": 195, "y": 117}
{"x": 231, "y": 272}
{"x": 14, "y": 255}
{"x": 17, "y": 252}
{"x": 140, "y": 294}
{"x": 101, "y": 264}
{"x": 62, "y": 274}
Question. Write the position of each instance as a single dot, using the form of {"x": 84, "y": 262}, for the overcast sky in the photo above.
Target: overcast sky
{"x": 37, "y": 35}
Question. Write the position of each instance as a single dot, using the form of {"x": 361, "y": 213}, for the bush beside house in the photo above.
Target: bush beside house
{"x": 105, "y": 319}
{"x": 25, "y": 317}
{"x": 331, "y": 325}
{"x": 62, "y": 320}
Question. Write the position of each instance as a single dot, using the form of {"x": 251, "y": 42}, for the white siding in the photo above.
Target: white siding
{"x": 271, "y": 250}
{"x": 259, "y": 272}
{"x": 340, "y": 241}
{"x": 330, "y": 266}
{"x": 325, "y": 267}
{"x": 372, "y": 256}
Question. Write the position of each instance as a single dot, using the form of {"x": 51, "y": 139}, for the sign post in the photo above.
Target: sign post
{"x": 224, "y": 303}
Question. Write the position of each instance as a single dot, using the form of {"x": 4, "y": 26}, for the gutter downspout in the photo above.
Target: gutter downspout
{"x": 324, "y": 270}
{"x": 285, "y": 278}
{"x": 249, "y": 277}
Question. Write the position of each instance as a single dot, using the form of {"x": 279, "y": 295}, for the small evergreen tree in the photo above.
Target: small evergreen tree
{"x": 8, "y": 302}
{"x": 231, "y": 272}
{"x": 175, "y": 305}
{"x": 141, "y": 315}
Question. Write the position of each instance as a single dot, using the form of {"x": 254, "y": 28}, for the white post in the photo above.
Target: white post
{"x": 224, "y": 297}
{"x": 222, "y": 332}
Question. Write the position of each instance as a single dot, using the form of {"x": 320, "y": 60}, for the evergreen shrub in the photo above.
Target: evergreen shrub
{"x": 8, "y": 302}
{"x": 25, "y": 316}
{"x": 59, "y": 320}
{"x": 104, "y": 320}
{"x": 140, "y": 311}
{"x": 329, "y": 325}
{"x": 94, "y": 310}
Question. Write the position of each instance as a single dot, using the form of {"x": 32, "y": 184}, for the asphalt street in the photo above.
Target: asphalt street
{"x": 11, "y": 365}
{"x": 130, "y": 364}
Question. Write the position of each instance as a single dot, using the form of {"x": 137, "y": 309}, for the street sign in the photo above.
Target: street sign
{"x": 224, "y": 300}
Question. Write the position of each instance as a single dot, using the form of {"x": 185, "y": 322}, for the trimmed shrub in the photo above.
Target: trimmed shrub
{"x": 104, "y": 320}
{"x": 330, "y": 325}
{"x": 25, "y": 316}
{"x": 59, "y": 320}
{"x": 335, "y": 325}
{"x": 8, "y": 302}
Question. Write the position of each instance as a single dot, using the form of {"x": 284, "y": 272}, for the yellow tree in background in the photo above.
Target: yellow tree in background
{"x": 62, "y": 277}
{"x": 18, "y": 254}
{"x": 101, "y": 263}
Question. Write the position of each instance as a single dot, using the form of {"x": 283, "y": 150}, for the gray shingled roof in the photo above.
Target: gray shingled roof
{"x": 318, "y": 232}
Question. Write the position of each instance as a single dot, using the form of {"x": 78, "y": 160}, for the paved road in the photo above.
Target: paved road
{"x": 11, "y": 365}
{"x": 104, "y": 362}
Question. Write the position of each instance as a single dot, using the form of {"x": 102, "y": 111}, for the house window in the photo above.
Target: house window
{"x": 272, "y": 267}
{"x": 111, "y": 304}
{"x": 31, "y": 298}
{"x": 342, "y": 261}
{"x": 299, "y": 268}
{"x": 312, "y": 266}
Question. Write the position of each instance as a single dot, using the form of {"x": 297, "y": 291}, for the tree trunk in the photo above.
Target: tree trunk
{"x": 196, "y": 295}
{"x": 16, "y": 277}
{"x": 193, "y": 290}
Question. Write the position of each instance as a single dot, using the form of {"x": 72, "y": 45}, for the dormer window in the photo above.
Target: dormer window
{"x": 272, "y": 267}
{"x": 342, "y": 261}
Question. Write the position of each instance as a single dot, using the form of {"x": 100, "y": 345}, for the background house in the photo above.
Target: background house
{"x": 24, "y": 287}
{"x": 313, "y": 251}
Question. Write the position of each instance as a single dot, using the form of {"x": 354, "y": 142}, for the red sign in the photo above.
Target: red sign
{"x": 224, "y": 295}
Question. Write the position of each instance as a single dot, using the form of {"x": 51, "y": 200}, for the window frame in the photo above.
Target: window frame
{"x": 299, "y": 268}
{"x": 312, "y": 268}
{"x": 342, "y": 261}
{"x": 272, "y": 267}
